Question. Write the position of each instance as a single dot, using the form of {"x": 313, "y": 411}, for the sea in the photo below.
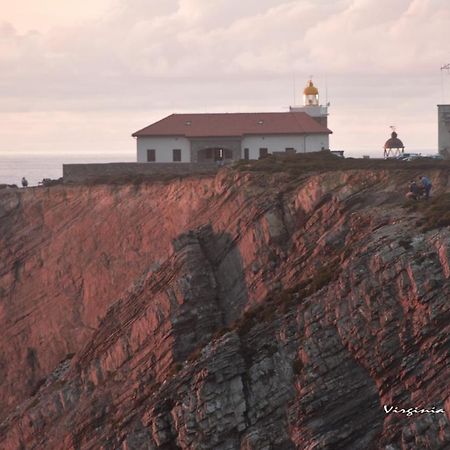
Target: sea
{"x": 35, "y": 167}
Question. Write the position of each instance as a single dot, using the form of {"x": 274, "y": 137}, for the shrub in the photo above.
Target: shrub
{"x": 297, "y": 366}
{"x": 405, "y": 243}
{"x": 300, "y": 163}
{"x": 324, "y": 275}
{"x": 435, "y": 211}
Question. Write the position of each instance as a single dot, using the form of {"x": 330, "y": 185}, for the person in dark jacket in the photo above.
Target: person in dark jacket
{"x": 24, "y": 182}
{"x": 426, "y": 183}
{"x": 414, "y": 191}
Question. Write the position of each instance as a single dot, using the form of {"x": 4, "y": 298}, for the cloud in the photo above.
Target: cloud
{"x": 217, "y": 39}
{"x": 158, "y": 56}
{"x": 400, "y": 36}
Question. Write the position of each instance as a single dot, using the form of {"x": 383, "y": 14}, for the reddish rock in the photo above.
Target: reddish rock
{"x": 242, "y": 311}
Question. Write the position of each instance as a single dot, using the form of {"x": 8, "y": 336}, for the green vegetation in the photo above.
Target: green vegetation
{"x": 405, "y": 243}
{"x": 281, "y": 302}
{"x": 435, "y": 211}
{"x": 174, "y": 369}
{"x": 139, "y": 179}
{"x": 297, "y": 367}
{"x": 276, "y": 304}
{"x": 325, "y": 161}
{"x": 323, "y": 276}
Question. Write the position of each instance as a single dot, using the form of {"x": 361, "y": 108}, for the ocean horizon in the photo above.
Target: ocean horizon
{"x": 36, "y": 167}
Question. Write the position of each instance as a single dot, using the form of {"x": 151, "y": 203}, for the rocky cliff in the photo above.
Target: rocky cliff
{"x": 249, "y": 310}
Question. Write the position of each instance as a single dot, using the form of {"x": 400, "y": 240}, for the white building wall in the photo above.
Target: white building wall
{"x": 311, "y": 110}
{"x": 163, "y": 148}
{"x": 301, "y": 143}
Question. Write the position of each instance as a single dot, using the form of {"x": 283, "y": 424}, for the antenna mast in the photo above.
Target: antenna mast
{"x": 294, "y": 88}
{"x": 447, "y": 68}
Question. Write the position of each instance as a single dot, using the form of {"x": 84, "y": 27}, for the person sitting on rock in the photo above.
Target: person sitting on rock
{"x": 426, "y": 183}
{"x": 414, "y": 191}
{"x": 24, "y": 182}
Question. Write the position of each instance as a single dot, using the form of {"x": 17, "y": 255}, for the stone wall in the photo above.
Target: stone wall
{"x": 79, "y": 173}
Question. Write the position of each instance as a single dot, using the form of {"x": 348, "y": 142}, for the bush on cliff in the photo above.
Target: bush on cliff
{"x": 282, "y": 301}
{"x": 435, "y": 211}
{"x": 300, "y": 163}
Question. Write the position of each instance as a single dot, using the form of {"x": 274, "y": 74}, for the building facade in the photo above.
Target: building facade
{"x": 229, "y": 137}
{"x": 234, "y": 136}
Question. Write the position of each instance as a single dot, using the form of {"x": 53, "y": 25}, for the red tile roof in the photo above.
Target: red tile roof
{"x": 233, "y": 124}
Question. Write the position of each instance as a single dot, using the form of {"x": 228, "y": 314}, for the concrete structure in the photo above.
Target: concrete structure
{"x": 104, "y": 172}
{"x": 393, "y": 147}
{"x": 444, "y": 130}
{"x": 312, "y": 106}
{"x": 197, "y": 138}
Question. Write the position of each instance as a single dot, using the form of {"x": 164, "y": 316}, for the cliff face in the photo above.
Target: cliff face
{"x": 245, "y": 311}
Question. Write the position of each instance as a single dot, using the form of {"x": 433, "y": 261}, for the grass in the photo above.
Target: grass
{"x": 325, "y": 275}
{"x": 174, "y": 369}
{"x": 325, "y": 161}
{"x": 294, "y": 165}
{"x": 137, "y": 179}
{"x": 281, "y": 302}
{"x": 435, "y": 211}
{"x": 405, "y": 243}
{"x": 297, "y": 367}
{"x": 274, "y": 305}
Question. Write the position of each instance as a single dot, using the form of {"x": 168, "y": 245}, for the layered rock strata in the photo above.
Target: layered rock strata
{"x": 241, "y": 311}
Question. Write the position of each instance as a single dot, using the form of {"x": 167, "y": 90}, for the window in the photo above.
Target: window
{"x": 176, "y": 154}
{"x": 151, "y": 155}
{"x": 263, "y": 152}
{"x": 246, "y": 154}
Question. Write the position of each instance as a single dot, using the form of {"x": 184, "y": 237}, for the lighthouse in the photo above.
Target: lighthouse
{"x": 310, "y": 95}
{"x": 311, "y": 104}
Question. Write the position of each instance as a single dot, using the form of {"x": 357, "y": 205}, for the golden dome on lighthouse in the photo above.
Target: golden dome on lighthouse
{"x": 310, "y": 89}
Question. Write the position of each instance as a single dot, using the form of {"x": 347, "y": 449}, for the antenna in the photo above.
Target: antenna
{"x": 392, "y": 127}
{"x": 294, "y": 87}
{"x": 447, "y": 68}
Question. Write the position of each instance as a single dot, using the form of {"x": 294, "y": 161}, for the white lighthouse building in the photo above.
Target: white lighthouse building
{"x": 198, "y": 138}
{"x": 311, "y": 105}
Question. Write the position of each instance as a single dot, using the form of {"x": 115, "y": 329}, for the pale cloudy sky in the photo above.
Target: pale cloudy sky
{"x": 82, "y": 76}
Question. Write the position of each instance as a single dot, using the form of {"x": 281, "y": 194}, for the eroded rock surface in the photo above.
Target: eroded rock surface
{"x": 244, "y": 311}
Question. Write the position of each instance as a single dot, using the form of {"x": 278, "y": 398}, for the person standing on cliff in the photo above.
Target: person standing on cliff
{"x": 24, "y": 182}
{"x": 426, "y": 183}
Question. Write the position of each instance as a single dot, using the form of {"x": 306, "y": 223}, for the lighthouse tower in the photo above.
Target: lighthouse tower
{"x": 311, "y": 105}
{"x": 310, "y": 95}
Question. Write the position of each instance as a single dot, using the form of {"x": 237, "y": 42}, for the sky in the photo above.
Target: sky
{"x": 80, "y": 77}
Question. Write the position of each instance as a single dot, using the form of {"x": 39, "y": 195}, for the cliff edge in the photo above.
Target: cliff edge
{"x": 248, "y": 310}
